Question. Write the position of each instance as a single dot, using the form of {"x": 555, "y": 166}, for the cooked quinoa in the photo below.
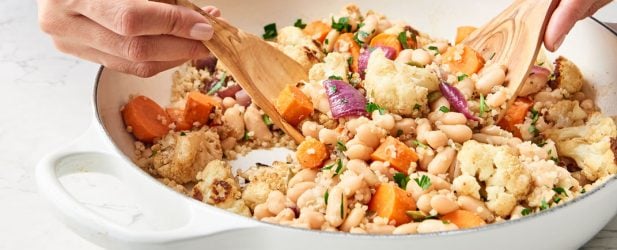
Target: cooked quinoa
{"x": 415, "y": 159}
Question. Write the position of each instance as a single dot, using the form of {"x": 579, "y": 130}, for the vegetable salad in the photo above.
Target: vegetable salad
{"x": 401, "y": 133}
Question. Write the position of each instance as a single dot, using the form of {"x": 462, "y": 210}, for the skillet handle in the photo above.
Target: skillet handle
{"x": 173, "y": 218}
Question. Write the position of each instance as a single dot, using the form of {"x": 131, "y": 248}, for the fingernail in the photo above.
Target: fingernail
{"x": 202, "y": 31}
{"x": 559, "y": 42}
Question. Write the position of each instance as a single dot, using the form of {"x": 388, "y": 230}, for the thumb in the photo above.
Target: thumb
{"x": 563, "y": 19}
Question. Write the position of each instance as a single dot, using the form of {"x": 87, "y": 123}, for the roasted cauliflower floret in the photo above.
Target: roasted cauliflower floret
{"x": 567, "y": 76}
{"x": 506, "y": 180}
{"x": 218, "y": 187}
{"x": 566, "y": 113}
{"x": 301, "y": 54}
{"x": 181, "y": 155}
{"x": 547, "y": 176}
{"x": 398, "y": 87}
{"x": 296, "y": 37}
{"x": 466, "y": 185}
{"x": 263, "y": 180}
{"x": 592, "y": 139}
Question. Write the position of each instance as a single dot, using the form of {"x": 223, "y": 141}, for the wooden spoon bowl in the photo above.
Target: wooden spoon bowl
{"x": 513, "y": 38}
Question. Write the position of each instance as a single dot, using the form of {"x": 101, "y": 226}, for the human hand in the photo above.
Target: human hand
{"x": 565, "y": 16}
{"x": 137, "y": 37}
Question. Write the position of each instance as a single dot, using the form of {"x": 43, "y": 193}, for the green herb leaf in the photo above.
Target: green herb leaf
{"x": 325, "y": 197}
{"x": 462, "y": 77}
{"x": 300, "y": 24}
{"x": 401, "y": 179}
{"x": 419, "y": 144}
{"x": 335, "y": 78}
{"x": 182, "y": 133}
{"x": 444, "y": 109}
{"x": 525, "y": 212}
{"x": 541, "y": 63}
{"x": 402, "y": 38}
{"x": 154, "y": 152}
{"x": 445, "y": 222}
{"x": 556, "y": 200}
{"x": 342, "y": 206}
{"x": 543, "y": 205}
{"x": 371, "y": 106}
{"x": 492, "y": 56}
{"x": 360, "y": 36}
{"x": 218, "y": 85}
{"x": 433, "y": 96}
{"x": 560, "y": 191}
{"x": 332, "y": 89}
{"x": 533, "y": 130}
{"x": 424, "y": 182}
{"x": 417, "y": 106}
{"x": 246, "y": 136}
{"x": 399, "y": 132}
{"x": 435, "y": 49}
{"x": 339, "y": 167}
{"x": 340, "y": 146}
{"x": 270, "y": 31}
{"x": 342, "y": 24}
{"x": 535, "y": 115}
{"x": 583, "y": 191}
{"x": 266, "y": 120}
{"x": 483, "y": 106}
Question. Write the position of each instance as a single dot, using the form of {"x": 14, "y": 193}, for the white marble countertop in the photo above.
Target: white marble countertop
{"x": 46, "y": 100}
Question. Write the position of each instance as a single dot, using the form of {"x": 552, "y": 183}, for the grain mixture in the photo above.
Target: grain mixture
{"x": 401, "y": 134}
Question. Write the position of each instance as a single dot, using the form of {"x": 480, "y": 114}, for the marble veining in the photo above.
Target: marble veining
{"x": 45, "y": 98}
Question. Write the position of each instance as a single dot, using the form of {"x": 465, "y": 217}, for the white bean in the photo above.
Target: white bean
{"x": 475, "y": 206}
{"x": 441, "y": 163}
{"x": 336, "y": 200}
{"x": 385, "y": 121}
{"x": 433, "y": 226}
{"x": 424, "y": 202}
{"x": 229, "y": 143}
{"x": 404, "y": 56}
{"x": 261, "y": 211}
{"x": 453, "y": 118}
{"x": 421, "y": 57}
{"x": 275, "y": 202}
{"x": 328, "y": 136}
{"x": 370, "y": 24}
{"x": 254, "y": 123}
{"x": 353, "y": 124}
{"x": 370, "y": 135}
{"x": 467, "y": 87}
{"x": 409, "y": 228}
{"x": 361, "y": 168}
{"x": 424, "y": 126}
{"x": 311, "y": 128}
{"x": 489, "y": 79}
{"x": 374, "y": 228}
{"x": 232, "y": 118}
{"x": 436, "y": 139}
{"x": 303, "y": 176}
{"x": 228, "y": 102}
{"x": 294, "y": 192}
{"x": 356, "y": 150}
{"x": 380, "y": 167}
{"x": 354, "y": 219}
{"x": 405, "y": 125}
{"x": 497, "y": 99}
{"x": 443, "y": 205}
{"x": 458, "y": 133}
{"x": 437, "y": 104}
{"x": 330, "y": 39}
{"x": 312, "y": 218}
{"x": 350, "y": 184}
{"x": 426, "y": 155}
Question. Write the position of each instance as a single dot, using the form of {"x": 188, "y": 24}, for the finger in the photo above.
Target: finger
{"x": 137, "y": 49}
{"x": 138, "y": 18}
{"x": 141, "y": 69}
{"x": 214, "y": 11}
{"x": 596, "y": 6}
{"x": 563, "y": 19}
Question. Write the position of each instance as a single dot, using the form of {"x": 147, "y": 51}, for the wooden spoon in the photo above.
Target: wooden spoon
{"x": 513, "y": 38}
{"x": 262, "y": 70}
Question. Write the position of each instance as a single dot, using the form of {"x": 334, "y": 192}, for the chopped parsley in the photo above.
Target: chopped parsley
{"x": 360, "y": 36}
{"x": 402, "y": 38}
{"x": 326, "y": 41}
{"x": 246, "y": 136}
{"x": 333, "y": 89}
{"x": 371, "y": 106}
{"x": 417, "y": 106}
{"x": 462, "y": 77}
{"x": 433, "y": 96}
{"x": 535, "y": 115}
{"x": 350, "y": 61}
{"x": 300, "y": 24}
{"x": 556, "y": 200}
{"x": 444, "y": 109}
{"x": 325, "y": 197}
{"x": 342, "y": 24}
{"x": 154, "y": 152}
{"x": 583, "y": 191}
{"x": 266, "y": 120}
{"x": 401, "y": 179}
{"x": 543, "y": 205}
{"x": 419, "y": 144}
{"x": 333, "y": 77}
{"x": 424, "y": 182}
{"x": 560, "y": 191}
{"x": 555, "y": 159}
{"x": 445, "y": 222}
{"x": 483, "y": 107}
{"x": 525, "y": 212}
{"x": 492, "y": 56}
{"x": 340, "y": 146}
{"x": 342, "y": 206}
{"x": 399, "y": 132}
{"x": 270, "y": 31}
{"x": 182, "y": 133}
{"x": 339, "y": 167}
{"x": 541, "y": 63}
{"x": 218, "y": 85}
{"x": 435, "y": 49}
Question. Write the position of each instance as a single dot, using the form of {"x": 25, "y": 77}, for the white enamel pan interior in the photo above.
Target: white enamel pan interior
{"x": 178, "y": 222}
